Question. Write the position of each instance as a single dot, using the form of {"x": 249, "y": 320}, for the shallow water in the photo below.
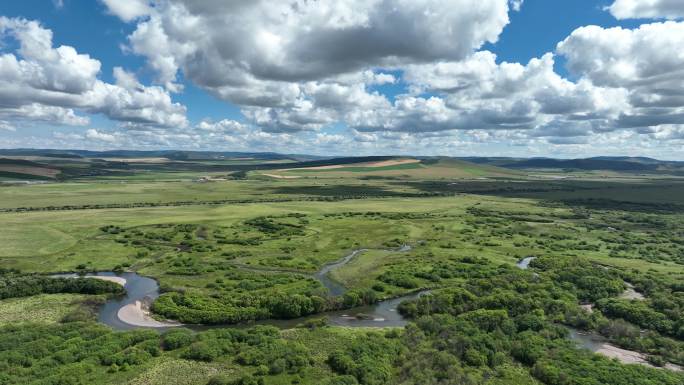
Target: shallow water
{"x": 334, "y": 287}
{"x": 525, "y": 262}
{"x": 598, "y": 344}
{"x": 589, "y": 341}
{"x": 138, "y": 288}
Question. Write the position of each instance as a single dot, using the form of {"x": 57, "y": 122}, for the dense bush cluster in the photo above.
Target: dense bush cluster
{"x": 482, "y": 346}
{"x": 271, "y": 226}
{"x": 641, "y": 314}
{"x": 256, "y": 347}
{"x": 478, "y": 331}
{"x": 87, "y": 353}
{"x": 200, "y": 309}
{"x": 368, "y": 359}
{"x": 537, "y": 303}
{"x": 589, "y": 282}
{"x": 14, "y": 284}
{"x": 73, "y": 353}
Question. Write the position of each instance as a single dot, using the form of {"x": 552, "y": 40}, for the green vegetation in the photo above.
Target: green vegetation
{"x": 499, "y": 325}
{"x": 49, "y": 308}
{"x": 14, "y": 284}
{"x": 233, "y": 246}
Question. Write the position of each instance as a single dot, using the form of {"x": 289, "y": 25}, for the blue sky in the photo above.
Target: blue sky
{"x": 541, "y": 24}
{"x": 248, "y": 81}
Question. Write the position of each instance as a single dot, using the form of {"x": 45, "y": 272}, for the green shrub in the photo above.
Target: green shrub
{"x": 201, "y": 351}
{"x": 177, "y": 338}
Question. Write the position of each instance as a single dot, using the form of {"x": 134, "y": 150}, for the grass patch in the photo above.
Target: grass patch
{"x": 46, "y": 308}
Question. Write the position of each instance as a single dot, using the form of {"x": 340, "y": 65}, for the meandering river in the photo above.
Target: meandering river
{"x": 128, "y": 312}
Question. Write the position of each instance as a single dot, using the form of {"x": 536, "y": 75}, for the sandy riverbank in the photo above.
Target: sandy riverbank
{"x": 631, "y": 357}
{"x": 111, "y": 278}
{"x": 137, "y": 315}
{"x": 597, "y": 344}
{"x": 119, "y": 280}
{"x": 623, "y": 355}
{"x": 282, "y": 176}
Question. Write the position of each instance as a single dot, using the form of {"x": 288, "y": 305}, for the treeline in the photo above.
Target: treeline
{"x": 545, "y": 217}
{"x": 13, "y": 284}
{"x": 331, "y": 198}
{"x": 610, "y": 204}
{"x": 504, "y": 187}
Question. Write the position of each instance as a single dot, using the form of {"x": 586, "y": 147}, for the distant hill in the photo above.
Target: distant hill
{"x": 606, "y": 163}
{"x": 637, "y": 159}
{"x": 583, "y": 164}
{"x": 26, "y": 170}
{"x": 169, "y": 154}
{"x": 22, "y": 164}
{"x": 69, "y": 164}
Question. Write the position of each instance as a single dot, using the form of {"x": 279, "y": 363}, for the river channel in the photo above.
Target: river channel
{"x": 144, "y": 290}
{"x": 125, "y": 313}
{"x": 597, "y": 343}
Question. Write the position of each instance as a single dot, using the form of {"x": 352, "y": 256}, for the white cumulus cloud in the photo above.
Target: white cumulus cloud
{"x": 94, "y": 134}
{"x": 128, "y": 10}
{"x": 647, "y": 9}
{"x": 46, "y": 83}
{"x": 282, "y": 62}
{"x": 645, "y": 62}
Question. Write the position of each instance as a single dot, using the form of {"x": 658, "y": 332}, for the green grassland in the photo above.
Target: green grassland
{"x": 75, "y": 195}
{"x": 221, "y": 241}
{"x": 464, "y": 224}
{"x": 45, "y": 308}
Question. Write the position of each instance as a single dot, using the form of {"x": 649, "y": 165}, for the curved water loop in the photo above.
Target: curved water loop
{"x": 129, "y": 311}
